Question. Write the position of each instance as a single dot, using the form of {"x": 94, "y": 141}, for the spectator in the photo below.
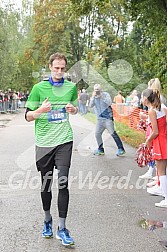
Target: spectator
{"x": 158, "y": 136}
{"x": 155, "y": 84}
{"x": 83, "y": 101}
{"x": 156, "y": 189}
{"x": 119, "y": 98}
{"x": 102, "y": 103}
{"x": 128, "y": 100}
{"x": 134, "y": 99}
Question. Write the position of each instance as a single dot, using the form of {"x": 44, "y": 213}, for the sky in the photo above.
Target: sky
{"x": 16, "y": 4}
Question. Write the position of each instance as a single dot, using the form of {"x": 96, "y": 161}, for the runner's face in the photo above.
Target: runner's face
{"x": 57, "y": 69}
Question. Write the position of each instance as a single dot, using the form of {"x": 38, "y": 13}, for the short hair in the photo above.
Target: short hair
{"x": 57, "y": 55}
{"x": 97, "y": 87}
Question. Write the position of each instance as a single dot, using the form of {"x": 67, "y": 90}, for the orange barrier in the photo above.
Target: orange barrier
{"x": 127, "y": 115}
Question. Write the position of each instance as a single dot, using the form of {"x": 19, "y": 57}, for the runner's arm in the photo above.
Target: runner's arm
{"x": 31, "y": 115}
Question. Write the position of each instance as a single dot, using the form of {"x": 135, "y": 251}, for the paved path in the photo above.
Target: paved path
{"x": 105, "y": 202}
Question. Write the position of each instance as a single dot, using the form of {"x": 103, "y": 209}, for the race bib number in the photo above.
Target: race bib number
{"x": 57, "y": 116}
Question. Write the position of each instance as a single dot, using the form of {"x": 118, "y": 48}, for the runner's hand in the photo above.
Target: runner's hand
{"x": 70, "y": 108}
{"x": 46, "y": 106}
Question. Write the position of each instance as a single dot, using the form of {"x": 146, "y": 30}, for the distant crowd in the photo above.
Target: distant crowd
{"x": 11, "y": 100}
{"x": 135, "y": 99}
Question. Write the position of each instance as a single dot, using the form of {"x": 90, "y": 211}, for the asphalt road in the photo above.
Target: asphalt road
{"x": 107, "y": 200}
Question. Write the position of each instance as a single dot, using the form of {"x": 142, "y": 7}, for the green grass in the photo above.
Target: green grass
{"x": 127, "y": 134}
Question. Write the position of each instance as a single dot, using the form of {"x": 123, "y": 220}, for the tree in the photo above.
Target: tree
{"x": 151, "y": 18}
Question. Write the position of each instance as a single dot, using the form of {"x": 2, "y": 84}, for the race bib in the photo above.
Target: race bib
{"x": 57, "y": 116}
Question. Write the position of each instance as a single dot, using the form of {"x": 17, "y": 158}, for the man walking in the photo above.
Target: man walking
{"x": 83, "y": 101}
{"x": 102, "y": 102}
{"x": 50, "y": 102}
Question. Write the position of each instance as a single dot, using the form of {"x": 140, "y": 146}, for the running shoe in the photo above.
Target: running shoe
{"x": 120, "y": 152}
{"x": 98, "y": 152}
{"x": 47, "y": 229}
{"x": 65, "y": 237}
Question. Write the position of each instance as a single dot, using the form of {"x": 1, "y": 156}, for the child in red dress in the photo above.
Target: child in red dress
{"x": 158, "y": 137}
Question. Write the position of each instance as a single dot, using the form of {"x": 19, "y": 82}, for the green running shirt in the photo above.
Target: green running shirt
{"x": 53, "y": 128}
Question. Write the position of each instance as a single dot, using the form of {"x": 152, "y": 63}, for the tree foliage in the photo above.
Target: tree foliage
{"x": 99, "y": 32}
{"x": 151, "y": 25}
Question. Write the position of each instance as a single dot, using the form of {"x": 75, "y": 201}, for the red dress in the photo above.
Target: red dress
{"x": 160, "y": 142}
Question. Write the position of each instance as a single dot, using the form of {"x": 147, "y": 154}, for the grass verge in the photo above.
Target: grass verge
{"x": 128, "y": 135}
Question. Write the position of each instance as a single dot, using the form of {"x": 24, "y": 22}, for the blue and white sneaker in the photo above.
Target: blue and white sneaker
{"x": 120, "y": 152}
{"x": 65, "y": 237}
{"x": 47, "y": 229}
